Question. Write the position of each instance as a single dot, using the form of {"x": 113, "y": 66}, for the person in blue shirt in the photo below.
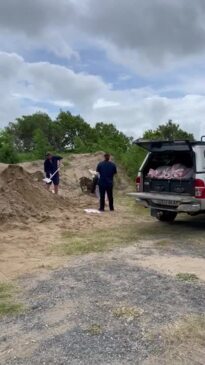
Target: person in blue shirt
{"x": 106, "y": 170}
{"x": 51, "y": 164}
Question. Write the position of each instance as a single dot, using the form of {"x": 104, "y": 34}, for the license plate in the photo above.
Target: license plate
{"x": 171, "y": 203}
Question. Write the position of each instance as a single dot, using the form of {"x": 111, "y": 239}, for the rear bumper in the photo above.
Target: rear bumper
{"x": 172, "y": 203}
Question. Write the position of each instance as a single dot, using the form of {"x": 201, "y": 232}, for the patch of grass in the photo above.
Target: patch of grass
{"x": 26, "y": 156}
{"x": 189, "y": 329}
{"x": 8, "y": 308}
{"x": 94, "y": 329}
{"x": 5, "y": 291}
{"x": 140, "y": 227}
{"x": 187, "y": 277}
{"x": 129, "y": 203}
{"x": 97, "y": 241}
{"x": 162, "y": 243}
{"x": 45, "y": 266}
{"x": 129, "y": 313}
{"x": 181, "y": 342}
{"x": 8, "y": 305}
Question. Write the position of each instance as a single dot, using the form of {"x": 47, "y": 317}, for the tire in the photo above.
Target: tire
{"x": 166, "y": 216}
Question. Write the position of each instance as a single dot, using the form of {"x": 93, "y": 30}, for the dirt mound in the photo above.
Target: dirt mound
{"x": 23, "y": 198}
{"x": 37, "y": 176}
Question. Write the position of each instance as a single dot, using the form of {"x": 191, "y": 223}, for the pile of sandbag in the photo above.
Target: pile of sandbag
{"x": 177, "y": 171}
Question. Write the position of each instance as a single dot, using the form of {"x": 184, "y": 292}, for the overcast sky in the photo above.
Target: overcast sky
{"x": 136, "y": 63}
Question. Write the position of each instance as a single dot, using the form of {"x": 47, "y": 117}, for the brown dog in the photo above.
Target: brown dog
{"x": 86, "y": 184}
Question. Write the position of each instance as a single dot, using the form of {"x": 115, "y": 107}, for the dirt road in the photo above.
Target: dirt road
{"x": 114, "y": 289}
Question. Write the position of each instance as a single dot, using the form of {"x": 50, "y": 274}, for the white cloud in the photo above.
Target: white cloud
{"x": 133, "y": 111}
{"x": 145, "y": 36}
{"x": 102, "y": 103}
{"x": 43, "y": 82}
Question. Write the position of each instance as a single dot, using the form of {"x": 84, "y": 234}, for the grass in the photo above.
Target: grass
{"x": 162, "y": 243}
{"x": 94, "y": 329}
{"x": 27, "y": 157}
{"x": 182, "y": 342}
{"x": 128, "y": 313}
{"x": 140, "y": 226}
{"x": 5, "y": 291}
{"x": 129, "y": 203}
{"x": 127, "y": 234}
{"x": 188, "y": 329}
{"x": 187, "y": 277}
{"x": 8, "y": 306}
{"x": 97, "y": 241}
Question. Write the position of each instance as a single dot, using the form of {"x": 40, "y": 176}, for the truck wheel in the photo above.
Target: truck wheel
{"x": 165, "y": 216}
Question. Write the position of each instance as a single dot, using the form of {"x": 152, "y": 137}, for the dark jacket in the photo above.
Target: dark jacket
{"x": 50, "y": 166}
{"x": 107, "y": 170}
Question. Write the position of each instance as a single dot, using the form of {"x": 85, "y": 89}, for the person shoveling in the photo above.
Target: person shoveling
{"x": 51, "y": 169}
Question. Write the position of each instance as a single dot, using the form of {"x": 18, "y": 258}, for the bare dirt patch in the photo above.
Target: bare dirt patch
{"x": 173, "y": 265}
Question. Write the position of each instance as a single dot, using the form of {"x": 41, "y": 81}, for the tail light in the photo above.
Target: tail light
{"x": 199, "y": 189}
{"x": 138, "y": 180}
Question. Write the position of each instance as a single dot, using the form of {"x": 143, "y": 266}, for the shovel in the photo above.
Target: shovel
{"x": 48, "y": 180}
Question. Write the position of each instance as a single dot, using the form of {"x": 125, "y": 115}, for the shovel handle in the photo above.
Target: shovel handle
{"x": 55, "y": 173}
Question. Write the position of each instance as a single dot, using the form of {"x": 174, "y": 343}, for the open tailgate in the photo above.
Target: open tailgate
{"x": 162, "y": 146}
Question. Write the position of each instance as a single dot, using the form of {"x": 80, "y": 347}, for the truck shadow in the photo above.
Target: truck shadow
{"x": 191, "y": 223}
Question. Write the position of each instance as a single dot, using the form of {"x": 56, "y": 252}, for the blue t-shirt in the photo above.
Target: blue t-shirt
{"x": 50, "y": 166}
{"x": 107, "y": 170}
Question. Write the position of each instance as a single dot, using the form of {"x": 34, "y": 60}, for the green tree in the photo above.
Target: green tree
{"x": 110, "y": 139}
{"x": 132, "y": 159}
{"x": 8, "y": 154}
{"x": 168, "y": 131}
{"x": 23, "y": 130}
{"x": 70, "y": 128}
{"x": 41, "y": 144}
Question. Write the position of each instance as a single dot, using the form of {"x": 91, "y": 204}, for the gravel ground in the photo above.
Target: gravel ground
{"x": 71, "y": 313}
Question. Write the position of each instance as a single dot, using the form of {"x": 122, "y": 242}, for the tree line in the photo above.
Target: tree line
{"x": 31, "y": 136}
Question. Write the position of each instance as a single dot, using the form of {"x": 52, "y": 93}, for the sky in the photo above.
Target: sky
{"x": 135, "y": 63}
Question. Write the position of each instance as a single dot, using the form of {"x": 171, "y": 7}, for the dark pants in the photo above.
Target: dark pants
{"x": 55, "y": 179}
{"x": 103, "y": 191}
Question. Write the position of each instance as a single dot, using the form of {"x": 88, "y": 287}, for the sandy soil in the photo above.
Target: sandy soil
{"x": 65, "y": 296}
{"x": 32, "y": 220}
{"x": 39, "y": 219}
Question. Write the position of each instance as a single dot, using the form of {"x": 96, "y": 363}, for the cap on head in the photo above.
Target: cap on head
{"x": 107, "y": 156}
{"x": 48, "y": 155}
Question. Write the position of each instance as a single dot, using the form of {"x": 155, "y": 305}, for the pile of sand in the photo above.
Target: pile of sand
{"x": 23, "y": 198}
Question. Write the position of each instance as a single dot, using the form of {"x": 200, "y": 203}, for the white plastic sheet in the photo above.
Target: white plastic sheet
{"x": 92, "y": 211}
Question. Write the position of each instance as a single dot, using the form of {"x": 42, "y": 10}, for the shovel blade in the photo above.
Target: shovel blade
{"x": 47, "y": 180}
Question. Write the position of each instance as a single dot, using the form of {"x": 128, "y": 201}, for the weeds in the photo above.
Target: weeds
{"x": 129, "y": 313}
{"x": 94, "y": 330}
{"x": 98, "y": 241}
{"x": 8, "y": 305}
{"x": 189, "y": 329}
{"x": 162, "y": 243}
{"x": 187, "y": 277}
{"x": 182, "y": 342}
